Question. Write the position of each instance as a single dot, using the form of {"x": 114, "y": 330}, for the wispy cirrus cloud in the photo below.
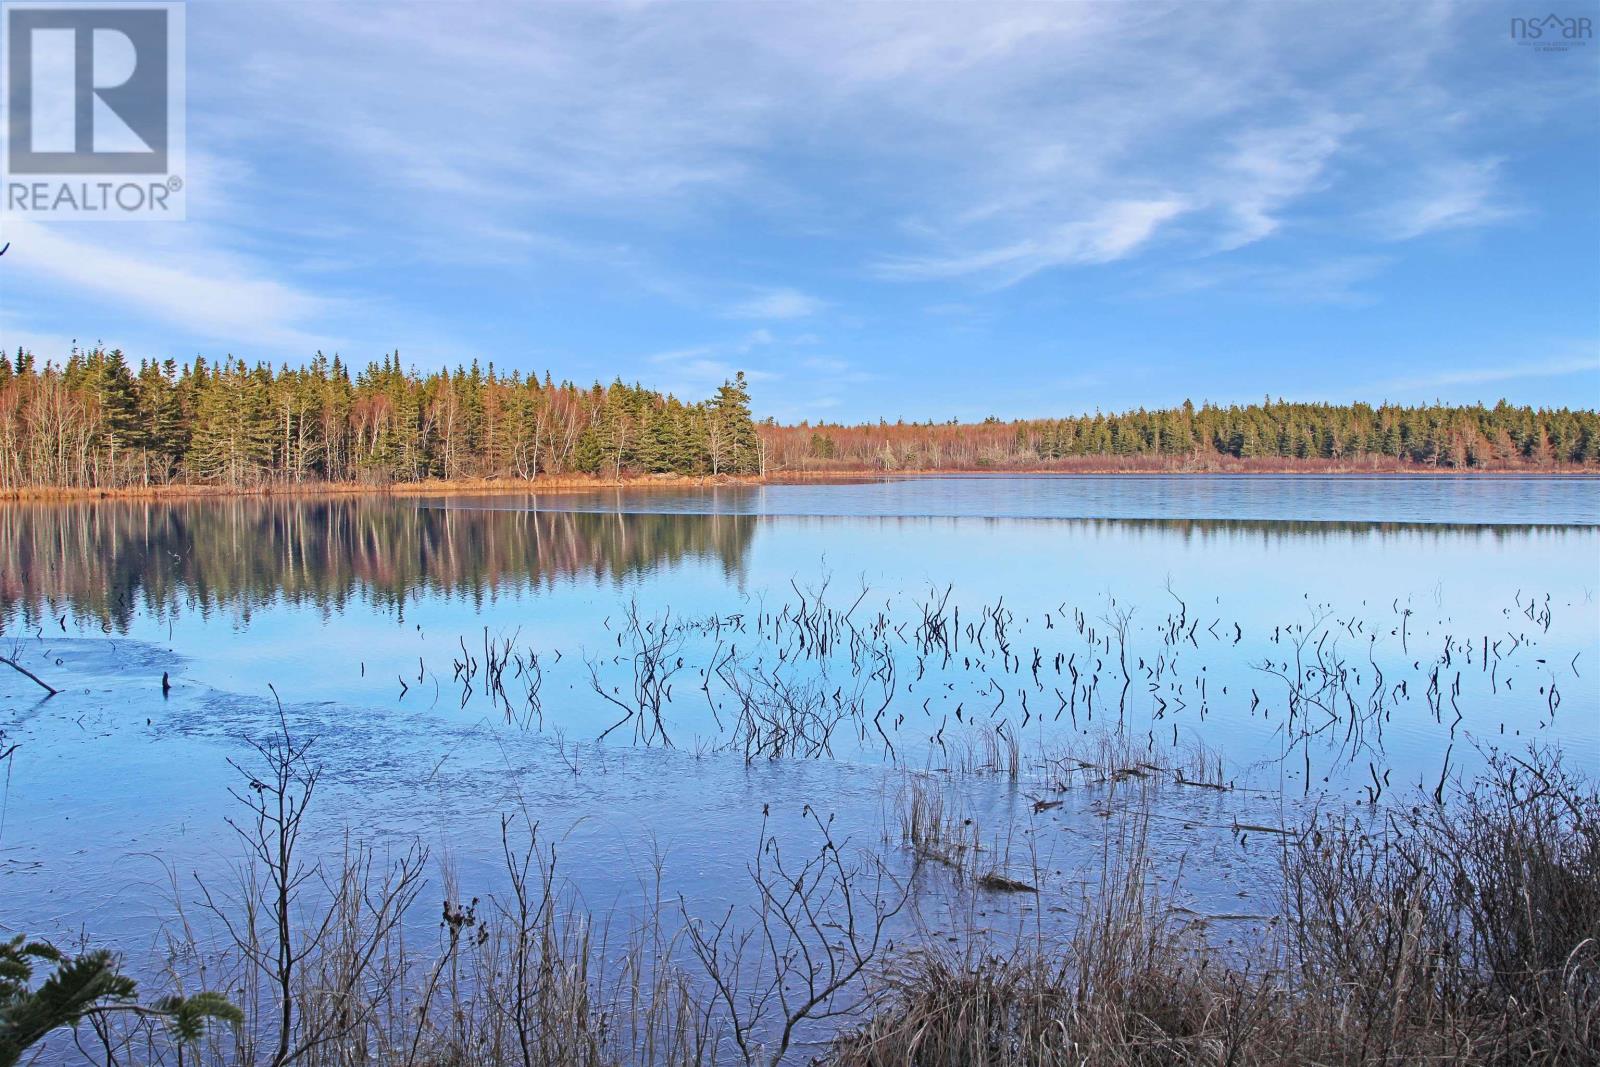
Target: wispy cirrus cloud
{"x": 1544, "y": 367}
{"x": 1114, "y": 233}
{"x": 1004, "y": 141}
{"x": 1449, "y": 195}
{"x": 581, "y": 185}
{"x": 1266, "y": 170}
{"x": 781, "y": 303}
{"x": 185, "y": 286}
{"x": 694, "y": 371}
{"x": 1339, "y": 279}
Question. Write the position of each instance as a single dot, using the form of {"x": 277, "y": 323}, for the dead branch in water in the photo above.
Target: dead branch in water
{"x": 20, "y": 669}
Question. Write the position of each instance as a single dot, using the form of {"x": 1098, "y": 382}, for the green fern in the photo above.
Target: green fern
{"x": 79, "y": 985}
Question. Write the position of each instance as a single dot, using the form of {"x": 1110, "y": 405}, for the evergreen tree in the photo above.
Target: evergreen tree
{"x": 734, "y": 447}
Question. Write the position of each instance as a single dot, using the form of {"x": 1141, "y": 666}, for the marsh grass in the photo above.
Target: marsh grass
{"x": 1459, "y": 933}
{"x": 987, "y": 750}
{"x": 932, "y": 829}
{"x": 1468, "y": 931}
{"x": 1109, "y": 756}
{"x": 1462, "y": 929}
{"x": 319, "y": 958}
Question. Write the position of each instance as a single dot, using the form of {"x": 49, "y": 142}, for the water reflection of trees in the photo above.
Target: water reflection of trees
{"x": 109, "y": 560}
{"x": 1214, "y": 530}
{"x": 106, "y": 561}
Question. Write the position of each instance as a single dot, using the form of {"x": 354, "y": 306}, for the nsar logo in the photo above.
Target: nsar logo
{"x": 1553, "y": 33}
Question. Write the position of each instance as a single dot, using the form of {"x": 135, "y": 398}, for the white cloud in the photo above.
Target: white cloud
{"x": 832, "y": 372}
{"x": 776, "y": 304}
{"x": 190, "y": 288}
{"x": 695, "y": 371}
{"x": 1556, "y": 367}
{"x": 1005, "y": 140}
{"x": 1335, "y": 280}
{"x": 15, "y": 334}
{"x": 1114, "y": 233}
{"x": 666, "y": 156}
{"x": 1269, "y": 169}
{"x": 1448, "y": 196}
{"x": 681, "y": 355}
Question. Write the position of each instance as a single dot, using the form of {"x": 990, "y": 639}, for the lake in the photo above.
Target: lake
{"x": 647, "y": 672}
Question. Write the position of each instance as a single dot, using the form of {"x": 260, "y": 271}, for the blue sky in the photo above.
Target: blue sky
{"x": 909, "y": 211}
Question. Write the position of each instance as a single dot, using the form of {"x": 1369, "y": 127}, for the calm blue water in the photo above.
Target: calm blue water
{"x": 1165, "y": 612}
{"x": 1348, "y": 498}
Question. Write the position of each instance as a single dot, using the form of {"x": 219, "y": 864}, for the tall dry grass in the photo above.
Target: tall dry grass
{"x": 1462, "y": 932}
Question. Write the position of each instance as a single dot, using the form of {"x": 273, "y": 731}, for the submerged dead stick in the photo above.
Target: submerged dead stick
{"x": 19, "y": 668}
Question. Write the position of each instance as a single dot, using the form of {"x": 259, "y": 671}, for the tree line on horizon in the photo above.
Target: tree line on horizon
{"x": 1260, "y": 436}
{"x": 96, "y": 422}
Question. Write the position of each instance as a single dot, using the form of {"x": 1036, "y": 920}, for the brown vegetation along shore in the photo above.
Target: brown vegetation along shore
{"x": 577, "y": 483}
{"x": 1101, "y": 465}
{"x": 574, "y": 483}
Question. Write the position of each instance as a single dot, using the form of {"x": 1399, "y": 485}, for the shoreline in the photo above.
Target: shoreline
{"x": 585, "y": 483}
{"x": 431, "y": 487}
{"x": 1569, "y": 471}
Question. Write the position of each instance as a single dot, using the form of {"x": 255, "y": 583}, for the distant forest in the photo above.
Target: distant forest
{"x": 1271, "y": 435}
{"x": 95, "y": 422}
